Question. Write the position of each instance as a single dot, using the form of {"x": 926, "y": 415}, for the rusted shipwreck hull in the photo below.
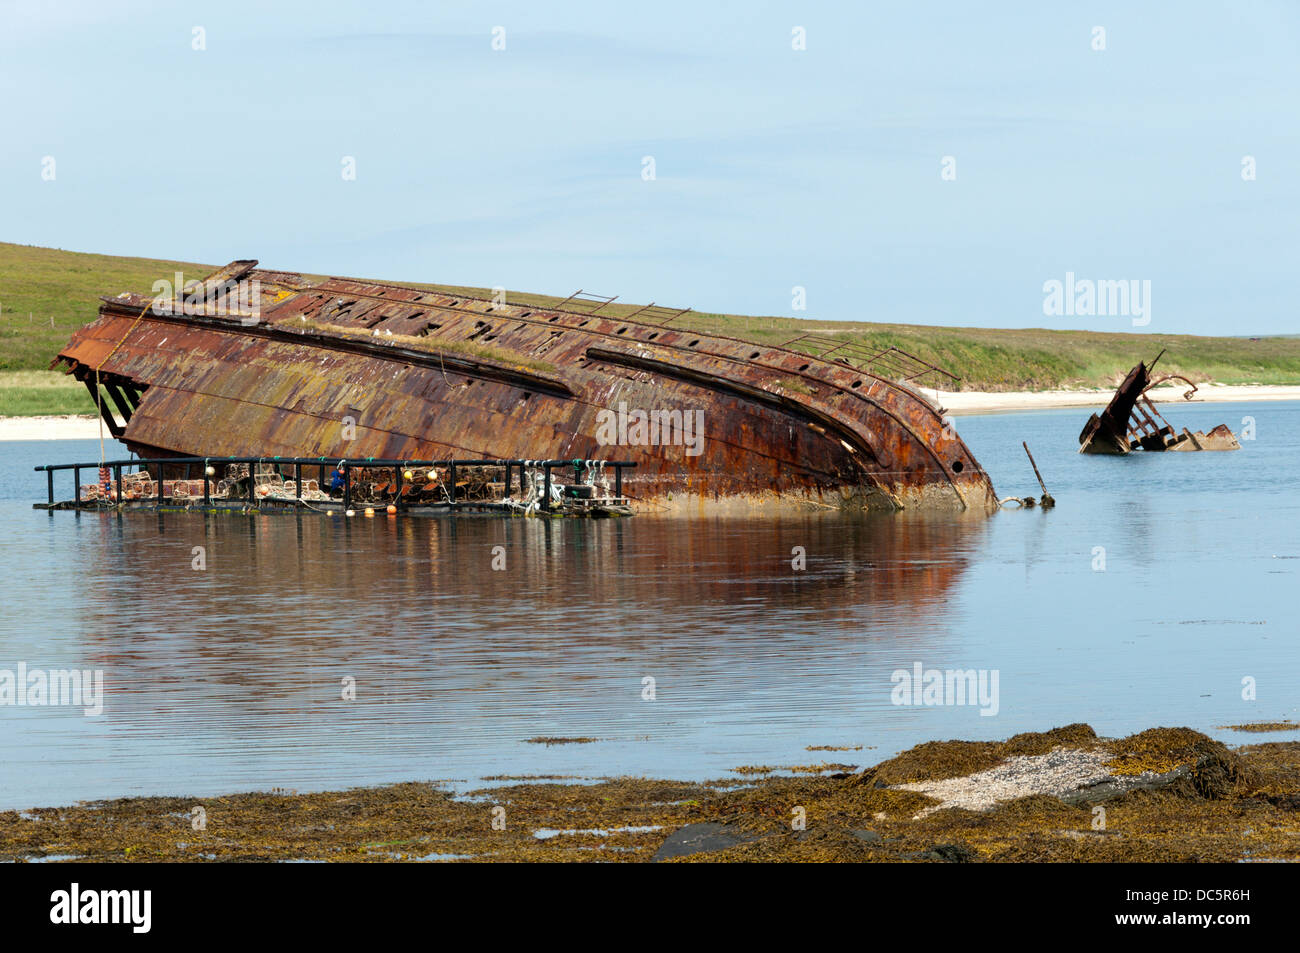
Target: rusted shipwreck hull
{"x": 339, "y": 367}
{"x": 1131, "y": 422}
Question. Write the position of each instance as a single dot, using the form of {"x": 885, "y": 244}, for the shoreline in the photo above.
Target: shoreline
{"x": 1175, "y": 796}
{"x": 60, "y": 427}
{"x": 957, "y": 403}
{"x": 990, "y": 402}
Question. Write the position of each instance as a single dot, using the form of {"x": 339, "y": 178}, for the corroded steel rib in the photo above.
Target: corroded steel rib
{"x": 426, "y": 374}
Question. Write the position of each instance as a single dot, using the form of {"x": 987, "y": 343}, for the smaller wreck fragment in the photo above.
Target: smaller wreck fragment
{"x": 1131, "y": 422}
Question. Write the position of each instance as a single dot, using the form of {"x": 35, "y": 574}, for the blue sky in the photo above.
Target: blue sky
{"x": 774, "y": 167}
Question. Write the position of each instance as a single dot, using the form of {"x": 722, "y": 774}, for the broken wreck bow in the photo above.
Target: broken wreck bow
{"x": 1131, "y": 422}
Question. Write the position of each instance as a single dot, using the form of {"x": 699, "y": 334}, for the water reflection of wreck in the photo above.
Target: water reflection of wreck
{"x": 1131, "y": 422}
{"x": 419, "y": 595}
{"x": 419, "y": 374}
{"x": 441, "y": 643}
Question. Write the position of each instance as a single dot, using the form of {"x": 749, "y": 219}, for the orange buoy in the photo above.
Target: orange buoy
{"x": 392, "y": 510}
{"x": 370, "y": 511}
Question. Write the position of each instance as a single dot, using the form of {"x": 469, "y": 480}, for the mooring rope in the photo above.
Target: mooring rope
{"x": 99, "y": 397}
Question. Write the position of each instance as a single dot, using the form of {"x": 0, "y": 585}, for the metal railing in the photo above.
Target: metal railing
{"x": 346, "y": 464}
{"x": 893, "y": 360}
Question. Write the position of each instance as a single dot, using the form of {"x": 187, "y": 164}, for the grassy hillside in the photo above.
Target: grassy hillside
{"x": 45, "y": 294}
{"x": 994, "y": 359}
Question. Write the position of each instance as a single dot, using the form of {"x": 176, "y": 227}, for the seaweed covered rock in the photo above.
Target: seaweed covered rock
{"x": 949, "y": 854}
{"x": 1185, "y": 763}
{"x": 937, "y": 760}
{"x": 701, "y": 838}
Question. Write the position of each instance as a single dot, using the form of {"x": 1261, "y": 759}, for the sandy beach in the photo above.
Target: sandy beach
{"x": 66, "y": 427}
{"x": 987, "y": 402}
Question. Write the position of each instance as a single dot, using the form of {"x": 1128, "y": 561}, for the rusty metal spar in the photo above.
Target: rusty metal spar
{"x": 1047, "y": 500}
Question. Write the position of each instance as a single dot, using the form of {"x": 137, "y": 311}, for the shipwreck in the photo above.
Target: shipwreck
{"x": 1131, "y": 422}
{"x": 325, "y": 368}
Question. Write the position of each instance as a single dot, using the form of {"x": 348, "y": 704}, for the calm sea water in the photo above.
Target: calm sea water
{"x": 231, "y": 678}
